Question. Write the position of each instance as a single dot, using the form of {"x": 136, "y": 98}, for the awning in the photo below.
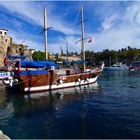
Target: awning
{"x": 48, "y": 64}
{"x": 36, "y": 64}
{"x": 12, "y": 57}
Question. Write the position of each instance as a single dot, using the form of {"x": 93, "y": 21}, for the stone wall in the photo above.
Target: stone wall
{"x": 7, "y": 47}
{"x": 5, "y": 41}
{"x": 14, "y": 49}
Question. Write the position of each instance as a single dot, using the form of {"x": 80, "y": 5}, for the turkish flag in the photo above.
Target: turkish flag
{"x": 5, "y": 61}
{"x": 90, "y": 40}
{"x": 18, "y": 67}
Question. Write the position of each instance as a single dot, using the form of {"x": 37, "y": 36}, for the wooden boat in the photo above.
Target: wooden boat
{"x": 33, "y": 76}
{"x": 6, "y": 72}
{"x": 35, "y": 80}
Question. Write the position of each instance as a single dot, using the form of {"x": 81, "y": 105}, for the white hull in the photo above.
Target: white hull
{"x": 61, "y": 86}
{"x": 115, "y": 69}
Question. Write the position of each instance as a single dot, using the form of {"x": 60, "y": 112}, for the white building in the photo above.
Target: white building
{"x": 3, "y": 32}
{"x": 5, "y": 40}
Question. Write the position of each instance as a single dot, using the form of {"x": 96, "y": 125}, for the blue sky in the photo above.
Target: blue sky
{"x": 111, "y": 24}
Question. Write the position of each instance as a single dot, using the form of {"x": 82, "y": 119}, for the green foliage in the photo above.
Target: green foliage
{"x": 89, "y": 56}
{"x": 38, "y": 55}
{"x": 124, "y": 55}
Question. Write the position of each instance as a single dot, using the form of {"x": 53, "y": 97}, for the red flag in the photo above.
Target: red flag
{"x": 90, "y": 40}
{"x": 5, "y": 61}
{"x": 18, "y": 67}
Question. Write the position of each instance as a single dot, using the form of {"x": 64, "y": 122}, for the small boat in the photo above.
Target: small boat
{"x": 117, "y": 67}
{"x": 6, "y": 72}
{"x": 5, "y": 75}
{"x": 135, "y": 66}
{"x": 38, "y": 76}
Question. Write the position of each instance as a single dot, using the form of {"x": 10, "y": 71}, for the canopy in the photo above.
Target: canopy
{"x": 12, "y": 57}
{"x": 48, "y": 64}
{"x": 36, "y": 64}
{"x": 79, "y": 62}
{"x": 75, "y": 62}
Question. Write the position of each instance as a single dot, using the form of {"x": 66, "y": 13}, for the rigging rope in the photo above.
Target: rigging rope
{"x": 28, "y": 34}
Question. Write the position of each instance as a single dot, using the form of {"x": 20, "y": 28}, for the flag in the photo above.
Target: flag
{"x": 90, "y": 40}
{"x": 5, "y": 61}
{"x": 18, "y": 67}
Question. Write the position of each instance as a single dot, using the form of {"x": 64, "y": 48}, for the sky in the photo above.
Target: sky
{"x": 111, "y": 24}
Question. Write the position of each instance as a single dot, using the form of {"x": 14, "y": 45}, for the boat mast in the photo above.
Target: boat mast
{"x": 83, "y": 47}
{"x": 45, "y": 34}
{"x": 67, "y": 51}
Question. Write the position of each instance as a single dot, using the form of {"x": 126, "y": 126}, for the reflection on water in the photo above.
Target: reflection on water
{"x": 17, "y": 110}
{"x": 25, "y": 103}
{"x": 108, "y": 110}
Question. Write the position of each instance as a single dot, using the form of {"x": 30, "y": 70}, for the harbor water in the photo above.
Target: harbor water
{"x": 108, "y": 109}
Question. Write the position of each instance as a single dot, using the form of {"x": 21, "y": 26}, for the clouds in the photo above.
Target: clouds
{"x": 24, "y": 10}
{"x": 32, "y": 12}
{"x": 120, "y": 30}
{"x": 113, "y": 25}
{"x": 25, "y": 15}
{"x": 109, "y": 22}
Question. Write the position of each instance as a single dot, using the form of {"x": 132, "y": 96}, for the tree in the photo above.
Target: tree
{"x": 38, "y": 55}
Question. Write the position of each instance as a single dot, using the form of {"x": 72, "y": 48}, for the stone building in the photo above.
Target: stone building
{"x": 5, "y": 42}
{"x": 70, "y": 58}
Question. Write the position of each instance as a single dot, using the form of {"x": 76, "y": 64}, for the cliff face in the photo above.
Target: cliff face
{"x": 14, "y": 49}
{"x": 3, "y": 51}
{"x": 5, "y": 41}
{"x": 1, "y": 58}
{"x": 7, "y": 47}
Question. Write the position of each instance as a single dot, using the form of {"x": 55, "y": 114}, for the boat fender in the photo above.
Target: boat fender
{"x": 10, "y": 78}
{"x": 52, "y": 68}
{"x": 6, "y": 82}
{"x": 11, "y": 82}
{"x": 16, "y": 80}
{"x": 88, "y": 79}
{"x": 79, "y": 80}
{"x": 59, "y": 81}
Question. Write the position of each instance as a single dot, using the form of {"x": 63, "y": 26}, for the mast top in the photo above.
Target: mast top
{"x": 45, "y": 34}
{"x": 83, "y": 46}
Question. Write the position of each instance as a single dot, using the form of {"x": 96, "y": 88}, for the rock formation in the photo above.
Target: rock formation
{"x": 3, "y": 136}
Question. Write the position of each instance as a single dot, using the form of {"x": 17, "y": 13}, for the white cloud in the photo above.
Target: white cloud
{"x": 69, "y": 41}
{"x": 32, "y": 12}
{"x": 24, "y": 10}
{"x": 109, "y": 22}
{"x": 118, "y": 29}
{"x": 126, "y": 32}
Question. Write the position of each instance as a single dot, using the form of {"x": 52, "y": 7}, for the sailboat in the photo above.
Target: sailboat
{"x": 39, "y": 76}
